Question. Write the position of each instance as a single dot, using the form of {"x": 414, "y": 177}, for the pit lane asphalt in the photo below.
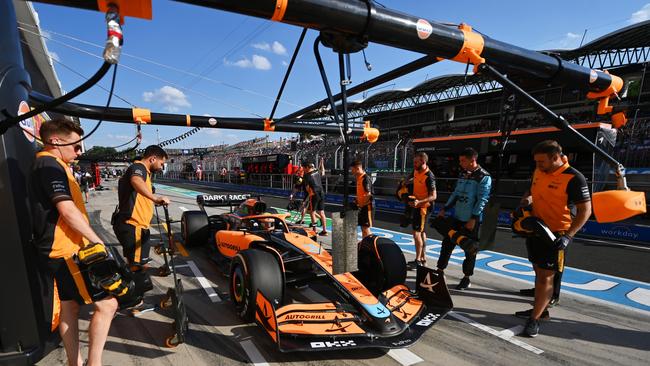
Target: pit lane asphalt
{"x": 481, "y": 330}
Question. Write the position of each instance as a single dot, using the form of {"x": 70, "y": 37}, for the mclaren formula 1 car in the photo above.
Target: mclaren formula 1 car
{"x": 282, "y": 278}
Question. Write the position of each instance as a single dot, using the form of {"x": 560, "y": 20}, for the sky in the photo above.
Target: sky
{"x": 200, "y": 61}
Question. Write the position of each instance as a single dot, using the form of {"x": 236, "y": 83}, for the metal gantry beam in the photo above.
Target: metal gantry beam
{"x": 605, "y": 59}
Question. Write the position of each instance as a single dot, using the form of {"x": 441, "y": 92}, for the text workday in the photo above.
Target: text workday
{"x": 620, "y": 232}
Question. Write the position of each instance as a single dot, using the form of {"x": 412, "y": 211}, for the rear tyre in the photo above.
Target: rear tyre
{"x": 254, "y": 270}
{"x": 381, "y": 264}
{"x": 195, "y": 228}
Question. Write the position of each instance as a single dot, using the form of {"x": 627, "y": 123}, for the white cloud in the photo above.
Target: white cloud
{"x": 119, "y": 137}
{"x": 641, "y": 15}
{"x": 262, "y": 46}
{"x": 569, "y": 41}
{"x": 169, "y": 97}
{"x": 211, "y": 131}
{"x": 54, "y": 56}
{"x": 284, "y": 63}
{"x": 572, "y": 36}
{"x": 261, "y": 62}
{"x": 258, "y": 62}
{"x": 278, "y": 48}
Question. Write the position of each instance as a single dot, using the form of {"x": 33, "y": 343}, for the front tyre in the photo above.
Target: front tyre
{"x": 251, "y": 271}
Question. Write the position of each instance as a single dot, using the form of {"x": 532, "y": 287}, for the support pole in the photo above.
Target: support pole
{"x": 286, "y": 75}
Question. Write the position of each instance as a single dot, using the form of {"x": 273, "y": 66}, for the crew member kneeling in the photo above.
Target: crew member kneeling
{"x": 555, "y": 188}
{"x": 135, "y": 210}
{"x": 61, "y": 229}
{"x": 365, "y": 199}
{"x": 468, "y": 200}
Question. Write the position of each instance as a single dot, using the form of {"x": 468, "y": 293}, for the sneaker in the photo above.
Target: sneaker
{"x": 412, "y": 264}
{"x": 142, "y": 308}
{"x": 525, "y": 314}
{"x": 527, "y": 292}
{"x": 531, "y": 329}
{"x": 554, "y": 301}
{"x": 464, "y": 284}
{"x": 323, "y": 233}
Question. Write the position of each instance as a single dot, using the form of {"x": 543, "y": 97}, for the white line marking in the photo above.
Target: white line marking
{"x": 640, "y": 295}
{"x": 204, "y": 282}
{"x": 253, "y": 353}
{"x": 496, "y": 333}
{"x": 181, "y": 265}
{"x": 404, "y": 356}
{"x": 511, "y": 332}
{"x": 183, "y": 208}
{"x": 575, "y": 294}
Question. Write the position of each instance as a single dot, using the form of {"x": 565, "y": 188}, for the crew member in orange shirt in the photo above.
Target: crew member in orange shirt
{"x": 365, "y": 199}
{"x": 422, "y": 186}
{"x": 136, "y": 200}
{"x": 555, "y": 188}
{"x": 60, "y": 228}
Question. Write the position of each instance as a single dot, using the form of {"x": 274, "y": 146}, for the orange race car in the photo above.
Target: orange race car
{"x": 282, "y": 278}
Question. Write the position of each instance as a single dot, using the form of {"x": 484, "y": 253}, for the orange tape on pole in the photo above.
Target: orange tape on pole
{"x": 280, "y": 9}
{"x": 141, "y": 115}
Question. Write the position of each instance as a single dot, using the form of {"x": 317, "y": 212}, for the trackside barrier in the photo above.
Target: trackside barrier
{"x": 633, "y": 233}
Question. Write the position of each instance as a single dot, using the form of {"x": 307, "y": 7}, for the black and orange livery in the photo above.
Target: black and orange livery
{"x": 271, "y": 265}
{"x": 364, "y": 200}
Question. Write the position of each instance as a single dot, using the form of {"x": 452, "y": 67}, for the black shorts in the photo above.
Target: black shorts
{"x": 419, "y": 218}
{"x": 365, "y": 215}
{"x": 543, "y": 255}
{"x": 134, "y": 241}
{"x": 315, "y": 203}
{"x": 73, "y": 283}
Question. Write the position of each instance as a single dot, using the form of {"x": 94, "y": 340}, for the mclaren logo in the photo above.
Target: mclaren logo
{"x": 428, "y": 284}
{"x": 337, "y": 326}
{"x": 265, "y": 317}
{"x": 403, "y": 313}
{"x": 334, "y": 344}
{"x": 304, "y": 317}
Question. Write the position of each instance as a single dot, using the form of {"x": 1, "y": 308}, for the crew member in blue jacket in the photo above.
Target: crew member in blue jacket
{"x": 468, "y": 200}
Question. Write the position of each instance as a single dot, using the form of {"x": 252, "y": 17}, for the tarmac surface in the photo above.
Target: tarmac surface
{"x": 480, "y": 330}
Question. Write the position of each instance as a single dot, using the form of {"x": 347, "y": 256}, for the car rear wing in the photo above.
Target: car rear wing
{"x": 221, "y": 199}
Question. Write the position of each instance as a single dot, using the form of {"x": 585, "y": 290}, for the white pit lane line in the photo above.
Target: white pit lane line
{"x": 507, "y": 335}
{"x": 182, "y": 208}
{"x": 253, "y": 353}
{"x": 212, "y": 295}
{"x": 404, "y": 356}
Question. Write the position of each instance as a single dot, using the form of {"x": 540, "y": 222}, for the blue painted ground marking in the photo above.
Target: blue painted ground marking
{"x": 611, "y": 289}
